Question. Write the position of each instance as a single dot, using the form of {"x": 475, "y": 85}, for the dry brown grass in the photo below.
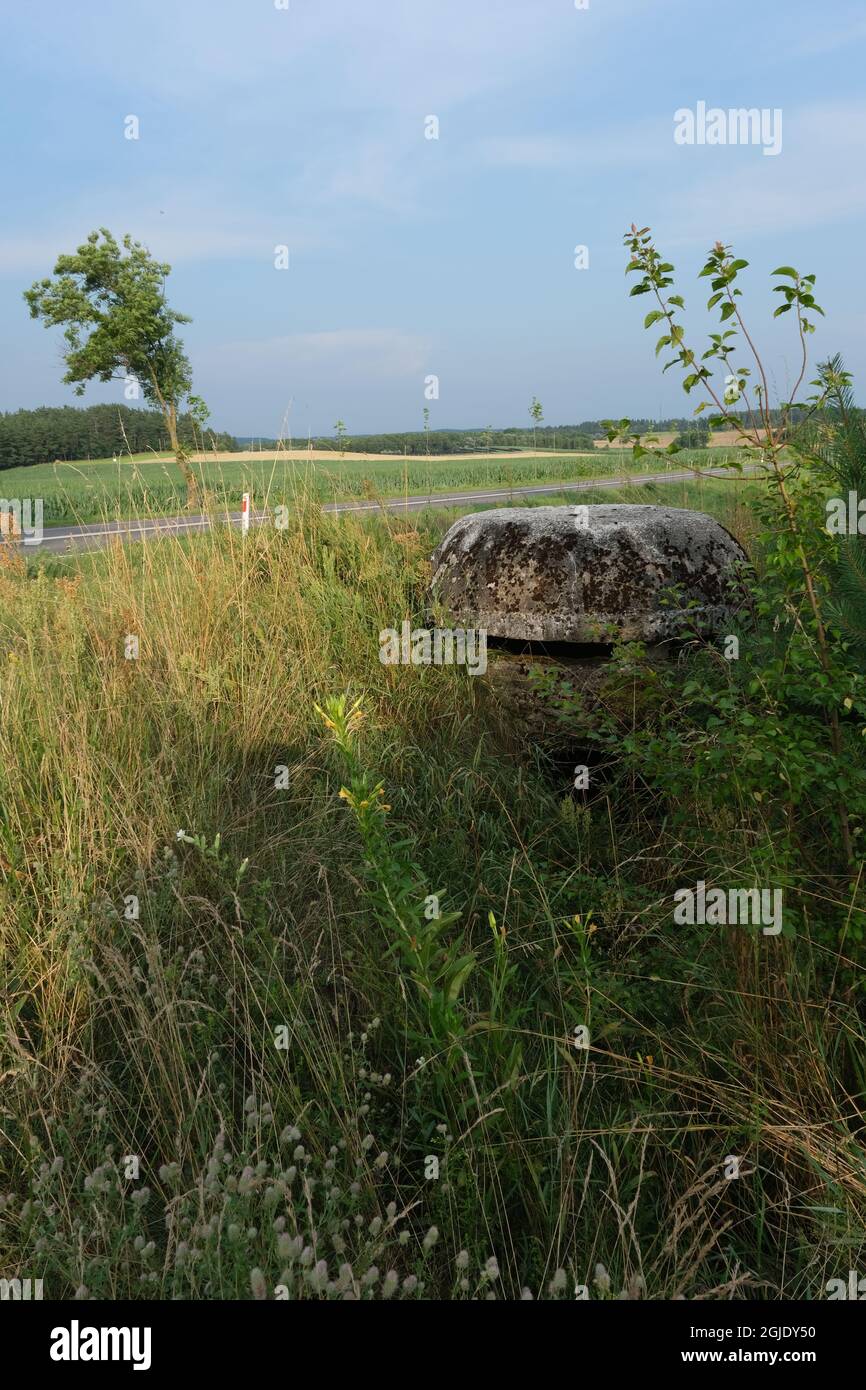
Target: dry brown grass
{"x": 720, "y": 439}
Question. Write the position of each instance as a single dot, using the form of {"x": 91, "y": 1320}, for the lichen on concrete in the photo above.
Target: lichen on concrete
{"x": 587, "y": 574}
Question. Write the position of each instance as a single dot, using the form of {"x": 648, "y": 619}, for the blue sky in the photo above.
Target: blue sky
{"x": 305, "y": 127}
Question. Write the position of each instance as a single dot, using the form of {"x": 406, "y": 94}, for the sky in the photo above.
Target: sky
{"x": 304, "y": 124}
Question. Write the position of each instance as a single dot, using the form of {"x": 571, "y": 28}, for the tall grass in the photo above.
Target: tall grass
{"x": 234, "y": 1088}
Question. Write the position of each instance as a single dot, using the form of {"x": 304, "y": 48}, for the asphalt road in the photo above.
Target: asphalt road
{"x": 91, "y": 537}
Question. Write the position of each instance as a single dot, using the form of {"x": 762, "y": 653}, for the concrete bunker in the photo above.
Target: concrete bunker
{"x": 560, "y": 585}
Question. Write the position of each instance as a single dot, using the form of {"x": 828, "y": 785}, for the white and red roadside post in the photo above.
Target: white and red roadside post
{"x": 245, "y": 513}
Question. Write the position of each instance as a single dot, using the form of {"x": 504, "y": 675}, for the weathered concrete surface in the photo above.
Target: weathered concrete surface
{"x": 587, "y": 574}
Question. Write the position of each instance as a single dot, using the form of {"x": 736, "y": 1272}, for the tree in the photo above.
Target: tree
{"x": 427, "y": 427}
{"x": 695, "y": 436}
{"x": 340, "y": 429}
{"x": 93, "y": 432}
{"x": 110, "y": 301}
{"x": 537, "y": 415}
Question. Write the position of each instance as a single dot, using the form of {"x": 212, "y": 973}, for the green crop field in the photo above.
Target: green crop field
{"x": 142, "y": 486}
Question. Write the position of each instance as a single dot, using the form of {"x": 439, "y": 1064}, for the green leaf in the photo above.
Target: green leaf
{"x": 462, "y": 971}
{"x": 653, "y": 318}
{"x": 785, "y": 270}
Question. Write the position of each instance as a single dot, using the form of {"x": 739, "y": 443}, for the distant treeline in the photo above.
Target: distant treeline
{"x": 578, "y": 437}
{"x": 440, "y": 441}
{"x": 97, "y": 431}
{"x": 93, "y": 432}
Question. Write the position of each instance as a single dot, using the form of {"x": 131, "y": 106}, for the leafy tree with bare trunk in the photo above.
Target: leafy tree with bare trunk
{"x": 536, "y": 413}
{"x": 109, "y": 298}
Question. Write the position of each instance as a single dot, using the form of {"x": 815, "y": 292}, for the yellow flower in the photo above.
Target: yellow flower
{"x": 329, "y": 723}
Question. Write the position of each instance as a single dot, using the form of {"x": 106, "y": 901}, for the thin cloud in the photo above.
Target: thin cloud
{"x": 181, "y": 225}
{"x": 587, "y": 146}
{"x": 813, "y": 182}
{"x": 381, "y": 354}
